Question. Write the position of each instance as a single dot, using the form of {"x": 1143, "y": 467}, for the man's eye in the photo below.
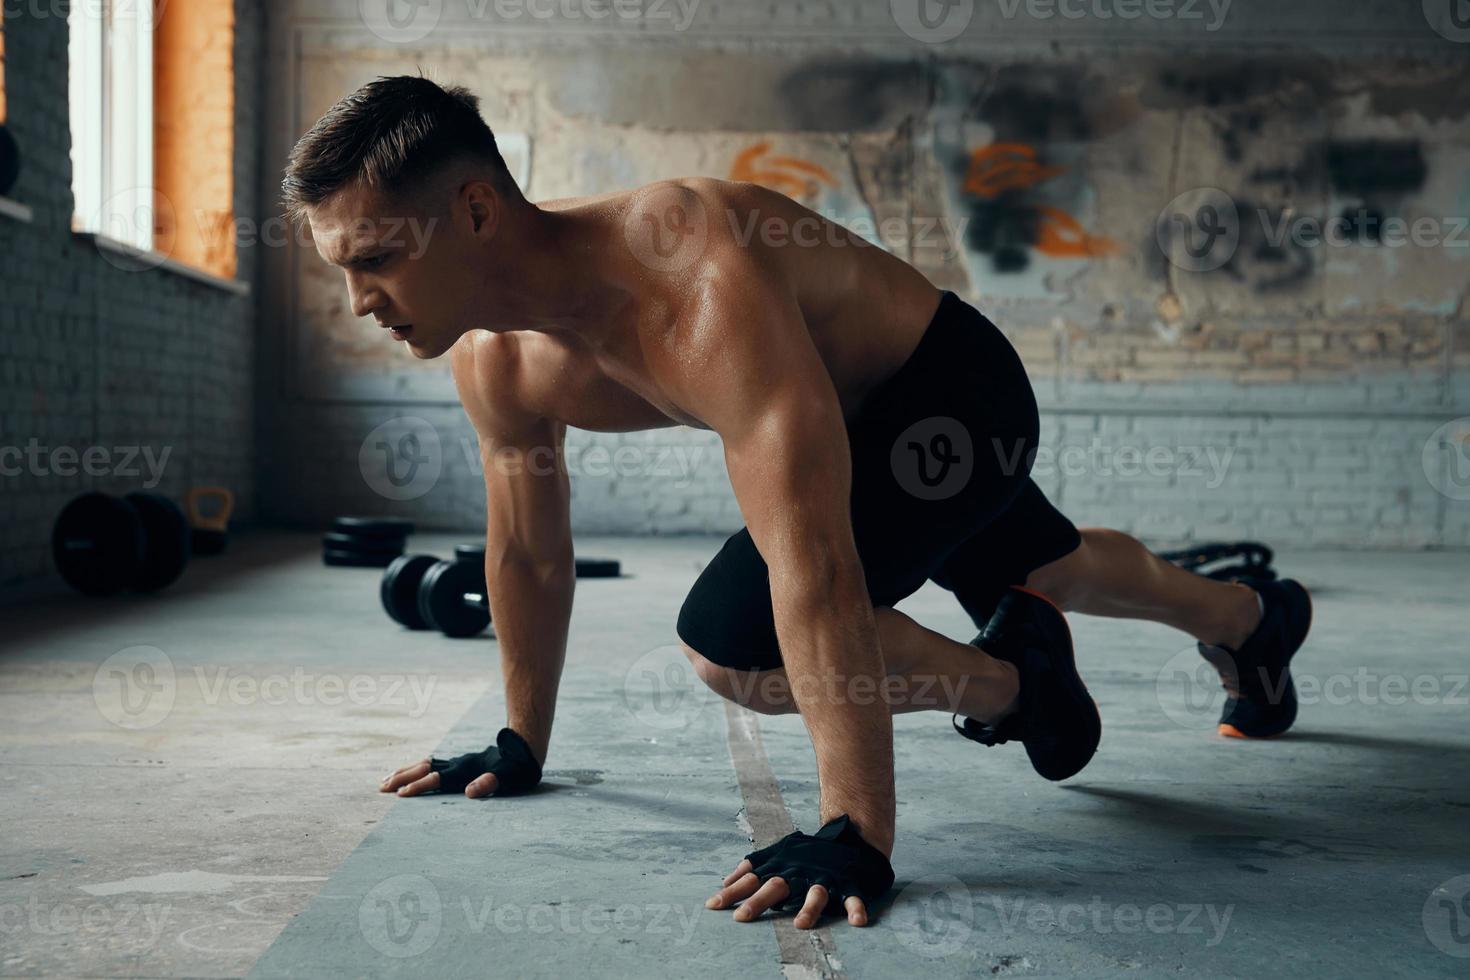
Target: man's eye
{"x": 372, "y": 261}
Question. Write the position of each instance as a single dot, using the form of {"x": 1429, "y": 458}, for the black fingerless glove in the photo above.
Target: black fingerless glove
{"x": 837, "y": 858}
{"x": 515, "y": 767}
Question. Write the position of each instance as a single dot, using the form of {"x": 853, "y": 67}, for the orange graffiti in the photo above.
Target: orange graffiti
{"x": 1062, "y": 236}
{"x": 772, "y": 172}
{"x": 1003, "y": 167}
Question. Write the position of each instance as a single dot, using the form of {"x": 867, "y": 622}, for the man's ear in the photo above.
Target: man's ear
{"x": 483, "y": 206}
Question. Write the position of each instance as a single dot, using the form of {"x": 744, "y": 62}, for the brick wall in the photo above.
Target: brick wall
{"x": 96, "y": 356}
{"x": 1313, "y": 377}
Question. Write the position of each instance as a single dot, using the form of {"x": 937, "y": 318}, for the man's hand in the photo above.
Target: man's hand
{"x": 742, "y": 883}
{"x": 418, "y": 777}
{"x": 830, "y": 872}
{"x": 508, "y": 767}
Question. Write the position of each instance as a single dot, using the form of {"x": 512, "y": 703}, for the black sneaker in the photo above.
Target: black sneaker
{"x": 1262, "y": 701}
{"x": 1056, "y": 718}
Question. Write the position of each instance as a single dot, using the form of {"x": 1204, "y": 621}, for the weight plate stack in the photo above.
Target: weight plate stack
{"x": 598, "y": 568}
{"x": 364, "y": 542}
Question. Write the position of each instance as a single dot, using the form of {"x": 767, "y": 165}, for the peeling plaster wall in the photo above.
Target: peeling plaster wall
{"x": 1134, "y": 207}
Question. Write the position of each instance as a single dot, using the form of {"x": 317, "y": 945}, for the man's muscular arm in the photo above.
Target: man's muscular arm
{"x": 755, "y": 377}
{"x": 529, "y": 569}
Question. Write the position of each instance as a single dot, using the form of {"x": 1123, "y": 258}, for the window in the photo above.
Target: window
{"x": 153, "y": 129}
{"x": 111, "y": 66}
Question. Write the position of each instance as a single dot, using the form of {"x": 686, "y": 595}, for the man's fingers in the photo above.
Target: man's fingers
{"x": 404, "y": 775}
{"x": 740, "y": 871}
{"x": 482, "y": 785}
{"x": 422, "y": 785}
{"x": 811, "y": 910}
{"x": 857, "y": 912}
{"x": 773, "y": 891}
{"x": 741, "y": 888}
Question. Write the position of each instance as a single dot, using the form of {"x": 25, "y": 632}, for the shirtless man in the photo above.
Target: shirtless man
{"x": 878, "y": 433}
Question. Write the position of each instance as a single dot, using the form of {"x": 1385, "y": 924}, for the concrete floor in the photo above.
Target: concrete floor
{"x": 190, "y": 791}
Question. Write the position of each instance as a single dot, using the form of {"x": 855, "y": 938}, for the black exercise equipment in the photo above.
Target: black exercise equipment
{"x": 470, "y": 552}
{"x": 364, "y": 542}
{"x": 421, "y": 592}
{"x": 9, "y": 161}
{"x": 1241, "y": 559}
{"x": 452, "y": 598}
{"x": 598, "y": 568}
{"x": 97, "y": 544}
{"x": 209, "y": 529}
{"x": 586, "y": 567}
{"x": 373, "y": 527}
{"x": 399, "y": 590}
{"x": 103, "y": 545}
{"x": 166, "y": 547}
{"x": 337, "y": 541}
{"x": 357, "y": 559}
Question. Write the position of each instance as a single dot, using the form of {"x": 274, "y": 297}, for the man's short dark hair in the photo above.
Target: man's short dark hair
{"x": 389, "y": 134}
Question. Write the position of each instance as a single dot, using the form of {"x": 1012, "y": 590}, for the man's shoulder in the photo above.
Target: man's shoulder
{"x": 488, "y": 370}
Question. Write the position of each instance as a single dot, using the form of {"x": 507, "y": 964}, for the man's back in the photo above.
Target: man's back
{"x": 864, "y": 308}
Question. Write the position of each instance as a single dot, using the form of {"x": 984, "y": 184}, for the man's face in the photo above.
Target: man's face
{"x": 406, "y": 263}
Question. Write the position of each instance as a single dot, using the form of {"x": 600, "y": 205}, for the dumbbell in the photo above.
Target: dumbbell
{"x": 422, "y": 592}
{"x": 104, "y": 544}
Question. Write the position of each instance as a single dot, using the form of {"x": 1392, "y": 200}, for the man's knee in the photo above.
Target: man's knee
{"x": 1064, "y": 580}
{"x": 759, "y": 690}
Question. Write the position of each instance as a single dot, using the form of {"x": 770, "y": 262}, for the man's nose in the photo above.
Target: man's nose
{"x": 364, "y": 300}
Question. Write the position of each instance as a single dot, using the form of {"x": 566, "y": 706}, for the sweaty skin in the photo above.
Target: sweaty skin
{"x": 771, "y": 333}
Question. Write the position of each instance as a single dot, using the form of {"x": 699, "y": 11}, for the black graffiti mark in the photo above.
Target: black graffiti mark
{"x": 1005, "y": 228}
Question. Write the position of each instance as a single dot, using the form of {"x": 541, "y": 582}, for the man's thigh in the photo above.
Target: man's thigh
{"x": 938, "y": 451}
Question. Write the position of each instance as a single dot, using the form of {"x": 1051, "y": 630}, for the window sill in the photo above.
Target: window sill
{"x": 15, "y": 210}
{"x": 157, "y": 260}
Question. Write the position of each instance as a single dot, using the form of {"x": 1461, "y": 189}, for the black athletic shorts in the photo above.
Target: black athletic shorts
{"x": 941, "y": 489}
